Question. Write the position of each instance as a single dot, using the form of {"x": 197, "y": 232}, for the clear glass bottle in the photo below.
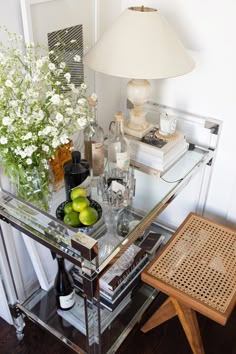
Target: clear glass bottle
{"x": 94, "y": 148}
{"x": 118, "y": 149}
{"x": 64, "y": 288}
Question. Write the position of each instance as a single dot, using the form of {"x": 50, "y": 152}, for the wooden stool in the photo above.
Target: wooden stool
{"x": 196, "y": 268}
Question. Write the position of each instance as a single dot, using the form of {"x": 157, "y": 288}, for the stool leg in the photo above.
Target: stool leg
{"x": 189, "y": 322}
{"x": 164, "y": 313}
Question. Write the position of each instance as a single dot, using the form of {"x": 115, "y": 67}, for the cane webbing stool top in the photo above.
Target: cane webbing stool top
{"x": 197, "y": 268}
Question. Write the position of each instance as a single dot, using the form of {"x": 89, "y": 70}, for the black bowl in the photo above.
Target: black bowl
{"x": 93, "y": 204}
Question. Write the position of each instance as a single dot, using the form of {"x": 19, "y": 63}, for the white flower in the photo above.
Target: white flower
{"x": 29, "y": 150}
{"x": 28, "y": 77}
{"x": 83, "y": 86}
{"x": 52, "y": 66}
{"x": 55, "y": 143}
{"x": 81, "y": 101}
{"x": 28, "y": 136}
{"x": 29, "y": 178}
{"x": 67, "y": 76}
{"x": 22, "y": 154}
{"x": 49, "y": 93}
{"x": 73, "y": 41}
{"x": 64, "y": 139}
{"x": 69, "y": 111}
{"x": 8, "y": 83}
{"x": 62, "y": 65}
{"x": 59, "y": 117}
{"x": 6, "y": 121}
{"x": 47, "y": 130}
{"x": 82, "y": 122}
{"x": 67, "y": 102}
{"x": 45, "y": 148}
{"x": 29, "y": 161}
{"x": 3, "y": 140}
{"x": 77, "y": 58}
{"x": 55, "y": 99}
{"x": 13, "y": 103}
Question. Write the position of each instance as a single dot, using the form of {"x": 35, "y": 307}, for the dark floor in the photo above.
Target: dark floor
{"x": 165, "y": 339}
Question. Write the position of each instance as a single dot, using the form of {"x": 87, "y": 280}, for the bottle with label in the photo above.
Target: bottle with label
{"x": 64, "y": 289}
{"x": 118, "y": 149}
{"x": 94, "y": 148}
{"x": 76, "y": 173}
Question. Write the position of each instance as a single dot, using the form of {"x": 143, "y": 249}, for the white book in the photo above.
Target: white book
{"x": 157, "y": 147}
{"x": 139, "y": 153}
{"x": 157, "y": 164}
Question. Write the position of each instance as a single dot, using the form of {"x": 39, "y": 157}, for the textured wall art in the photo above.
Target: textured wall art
{"x": 67, "y": 46}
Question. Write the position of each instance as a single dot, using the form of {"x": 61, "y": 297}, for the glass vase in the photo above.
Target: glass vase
{"x": 35, "y": 185}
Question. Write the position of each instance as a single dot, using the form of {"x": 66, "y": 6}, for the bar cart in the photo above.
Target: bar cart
{"x": 101, "y": 331}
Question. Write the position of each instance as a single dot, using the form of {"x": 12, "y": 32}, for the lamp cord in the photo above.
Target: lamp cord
{"x": 177, "y": 180}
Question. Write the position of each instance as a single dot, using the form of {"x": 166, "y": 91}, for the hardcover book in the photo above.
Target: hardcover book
{"x": 158, "y": 164}
{"x": 152, "y": 144}
{"x": 114, "y": 276}
{"x": 111, "y": 301}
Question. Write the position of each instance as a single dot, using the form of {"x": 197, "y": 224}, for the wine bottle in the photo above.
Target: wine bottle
{"x": 65, "y": 292}
{"x": 76, "y": 173}
{"x": 94, "y": 148}
{"x": 118, "y": 148}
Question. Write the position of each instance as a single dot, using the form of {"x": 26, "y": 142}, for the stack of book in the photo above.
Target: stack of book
{"x": 120, "y": 278}
{"x": 156, "y": 153}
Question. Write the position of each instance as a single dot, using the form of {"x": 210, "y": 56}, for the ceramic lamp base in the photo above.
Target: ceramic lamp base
{"x": 137, "y": 133}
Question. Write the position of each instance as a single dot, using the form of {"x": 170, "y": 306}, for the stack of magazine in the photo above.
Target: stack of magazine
{"x": 156, "y": 153}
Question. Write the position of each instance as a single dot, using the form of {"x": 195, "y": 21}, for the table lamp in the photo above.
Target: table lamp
{"x": 139, "y": 45}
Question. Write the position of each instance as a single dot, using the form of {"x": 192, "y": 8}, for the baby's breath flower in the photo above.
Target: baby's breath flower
{"x": 3, "y": 140}
{"x": 40, "y": 107}
{"x": 67, "y": 76}
{"x": 52, "y": 66}
{"x": 83, "y": 86}
{"x": 8, "y": 83}
{"x": 62, "y": 65}
{"x": 55, "y": 99}
{"x": 77, "y": 58}
{"x": 29, "y": 161}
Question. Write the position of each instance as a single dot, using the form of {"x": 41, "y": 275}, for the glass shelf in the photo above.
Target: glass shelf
{"x": 54, "y": 234}
{"x": 41, "y": 308}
